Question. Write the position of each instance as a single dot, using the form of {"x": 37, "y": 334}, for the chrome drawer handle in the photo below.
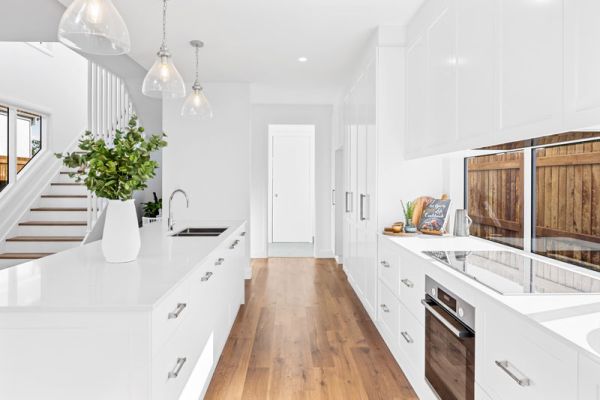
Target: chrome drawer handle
{"x": 407, "y": 337}
{"x": 385, "y": 264}
{"x": 385, "y": 308}
{"x": 407, "y": 283}
{"x": 243, "y": 234}
{"x": 178, "y": 310}
{"x": 505, "y": 366}
{"x": 234, "y": 244}
{"x": 206, "y": 276}
{"x": 220, "y": 261}
{"x": 175, "y": 372}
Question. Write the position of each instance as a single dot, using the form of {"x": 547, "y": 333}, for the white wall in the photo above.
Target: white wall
{"x": 210, "y": 159}
{"x": 321, "y": 117}
{"x": 55, "y": 84}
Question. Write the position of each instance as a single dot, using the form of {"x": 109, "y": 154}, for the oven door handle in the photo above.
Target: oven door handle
{"x": 459, "y": 333}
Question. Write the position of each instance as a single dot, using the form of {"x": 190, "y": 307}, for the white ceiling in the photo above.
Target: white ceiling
{"x": 259, "y": 41}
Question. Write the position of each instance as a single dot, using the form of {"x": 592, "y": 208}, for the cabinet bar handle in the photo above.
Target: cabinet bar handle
{"x": 407, "y": 283}
{"x": 362, "y": 207}
{"x": 333, "y": 197}
{"x": 385, "y": 264}
{"x": 206, "y": 276}
{"x": 505, "y": 366}
{"x": 385, "y": 308}
{"x": 220, "y": 261}
{"x": 234, "y": 244}
{"x": 178, "y": 366}
{"x": 407, "y": 337}
{"x": 348, "y": 202}
{"x": 178, "y": 310}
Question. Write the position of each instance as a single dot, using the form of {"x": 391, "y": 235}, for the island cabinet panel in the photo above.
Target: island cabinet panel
{"x": 589, "y": 378}
{"x": 521, "y": 362}
{"x": 163, "y": 349}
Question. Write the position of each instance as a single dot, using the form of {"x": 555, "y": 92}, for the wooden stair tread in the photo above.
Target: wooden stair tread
{"x": 53, "y": 223}
{"x": 64, "y": 196}
{"x": 67, "y": 184}
{"x": 23, "y": 256}
{"x": 45, "y": 239}
{"x": 59, "y": 209}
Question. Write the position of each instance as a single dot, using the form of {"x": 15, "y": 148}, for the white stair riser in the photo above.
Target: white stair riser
{"x": 57, "y": 216}
{"x": 64, "y": 178}
{"x": 9, "y": 263}
{"x": 62, "y": 202}
{"x": 42, "y": 230}
{"x": 39, "y": 247}
{"x": 66, "y": 189}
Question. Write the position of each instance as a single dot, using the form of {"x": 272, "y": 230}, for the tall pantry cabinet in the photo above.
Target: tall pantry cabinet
{"x": 373, "y": 124}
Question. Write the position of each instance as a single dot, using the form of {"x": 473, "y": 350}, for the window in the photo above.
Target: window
{"x": 21, "y": 139}
{"x": 494, "y": 196}
{"x": 560, "y": 174}
{"x": 566, "y": 203}
{"x": 3, "y": 147}
{"x": 29, "y": 137}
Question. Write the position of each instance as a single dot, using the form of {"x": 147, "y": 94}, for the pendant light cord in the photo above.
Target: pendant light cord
{"x": 164, "y": 25}
{"x": 197, "y": 49}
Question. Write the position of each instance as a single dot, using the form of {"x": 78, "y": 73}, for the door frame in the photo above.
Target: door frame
{"x": 275, "y": 130}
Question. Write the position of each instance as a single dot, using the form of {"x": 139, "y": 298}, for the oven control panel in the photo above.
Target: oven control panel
{"x": 459, "y": 308}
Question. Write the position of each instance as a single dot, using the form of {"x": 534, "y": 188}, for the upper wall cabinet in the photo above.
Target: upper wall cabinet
{"x": 476, "y": 71}
{"x": 482, "y": 72}
{"x": 582, "y": 63}
{"x": 530, "y": 40}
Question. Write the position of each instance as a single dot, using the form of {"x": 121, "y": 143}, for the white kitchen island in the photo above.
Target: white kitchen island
{"x": 75, "y": 327}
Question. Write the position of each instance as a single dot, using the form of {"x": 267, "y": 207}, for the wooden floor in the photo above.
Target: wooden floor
{"x": 303, "y": 334}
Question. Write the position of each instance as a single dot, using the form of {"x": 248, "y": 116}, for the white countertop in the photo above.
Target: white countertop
{"x": 80, "y": 278}
{"x": 575, "y": 318}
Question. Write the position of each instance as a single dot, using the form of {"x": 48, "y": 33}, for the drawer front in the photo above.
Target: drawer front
{"x": 521, "y": 362}
{"x": 388, "y": 312}
{"x": 169, "y": 314}
{"x": 388, "y": 267}
{"x": 412, "y": 340}
{"x": 172, "y": 366}
{"x": 412, "y": 283}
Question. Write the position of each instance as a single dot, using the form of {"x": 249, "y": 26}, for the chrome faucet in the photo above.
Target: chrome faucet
{"x": 171, "y": 221}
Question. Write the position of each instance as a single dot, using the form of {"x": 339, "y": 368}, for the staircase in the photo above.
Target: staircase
{"x": 57, "y": 222}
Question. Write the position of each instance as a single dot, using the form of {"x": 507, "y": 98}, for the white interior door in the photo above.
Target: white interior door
{"x": 292, "y": 192}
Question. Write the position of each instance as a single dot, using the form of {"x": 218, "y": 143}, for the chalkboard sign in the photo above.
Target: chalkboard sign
{"x": 435, "y": 217}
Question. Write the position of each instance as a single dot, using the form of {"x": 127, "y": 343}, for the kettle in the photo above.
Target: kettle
{"x": 462, "y": 223}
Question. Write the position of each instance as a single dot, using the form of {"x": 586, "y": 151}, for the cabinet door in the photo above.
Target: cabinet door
{"x": 589, "y": 379}
{"x": 441, "y": 73}
{"x": 582, "y": 64}
{"x": 477, "y": 104}
{"x": 530, "y": 40}
{"x": 416, "y": 97}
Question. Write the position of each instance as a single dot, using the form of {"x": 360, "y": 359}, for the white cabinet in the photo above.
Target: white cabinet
{"x": 530, "y": 39}
{"x": 589, "y": 379}
{"x": 520, "y": 361}
{"x": 441, "y": 79}
{"x": 476, "y": 70}
{"x": 416, "y": 93}
{"x": 582, "y": 64}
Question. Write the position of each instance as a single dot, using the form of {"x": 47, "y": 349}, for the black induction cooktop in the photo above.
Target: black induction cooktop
{"x": 511, "y": 273}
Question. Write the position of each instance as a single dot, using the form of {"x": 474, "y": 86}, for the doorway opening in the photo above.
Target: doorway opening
{"x": 291, "y": 213}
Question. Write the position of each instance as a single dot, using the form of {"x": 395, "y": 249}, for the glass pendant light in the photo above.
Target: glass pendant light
{"x": 196, "y": 105}
{"x": 95, "y": 27}
{"x": 163, "y": 80}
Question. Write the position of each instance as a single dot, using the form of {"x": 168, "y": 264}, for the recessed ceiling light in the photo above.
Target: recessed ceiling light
{"x": 302, "y": 59}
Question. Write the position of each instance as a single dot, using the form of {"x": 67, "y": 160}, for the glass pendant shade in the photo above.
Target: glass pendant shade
{"x": 94, "y": 27}
{"x": 196, "y": 105}
{"x": 163, "y": 80}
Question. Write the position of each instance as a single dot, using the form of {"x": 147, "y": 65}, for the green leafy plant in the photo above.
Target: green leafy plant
{"x": 409, "y": 211}
{"x": 152, "y": 208}
{"x": 115, "y": 170}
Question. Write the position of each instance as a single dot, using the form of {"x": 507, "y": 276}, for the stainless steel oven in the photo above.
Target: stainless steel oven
{"x": 449, "y": 343}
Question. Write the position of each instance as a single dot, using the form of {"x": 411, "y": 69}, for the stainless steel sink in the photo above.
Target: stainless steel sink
{"x": 206, "y": 232}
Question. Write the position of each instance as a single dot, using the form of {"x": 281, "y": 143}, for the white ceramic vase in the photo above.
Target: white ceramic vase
{"x": 121, "y": 237}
